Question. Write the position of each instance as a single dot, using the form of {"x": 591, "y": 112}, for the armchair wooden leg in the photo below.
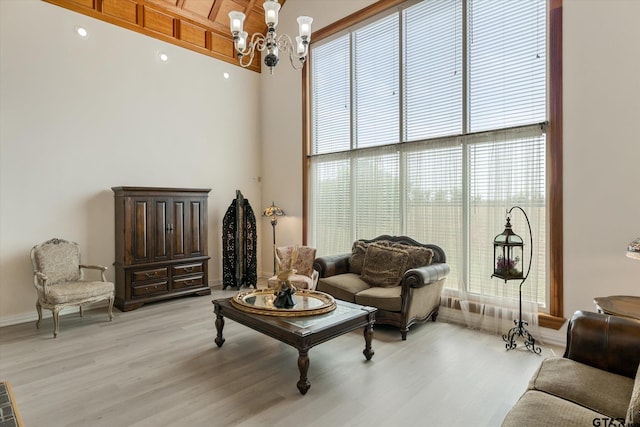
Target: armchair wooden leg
{"x": 39, "y": 308}
{"x": 80, "y": 311}
{"x": 55, "y": 322}
{"x": 110, "y": 309}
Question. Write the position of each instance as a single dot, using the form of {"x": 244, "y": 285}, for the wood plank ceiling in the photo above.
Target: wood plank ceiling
{"x": 198, "y": 25}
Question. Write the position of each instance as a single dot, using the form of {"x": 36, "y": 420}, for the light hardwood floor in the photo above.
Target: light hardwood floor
{"x": 158, "y": 366}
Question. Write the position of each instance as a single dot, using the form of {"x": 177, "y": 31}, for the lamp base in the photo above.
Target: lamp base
{"x": 520, "y": 331}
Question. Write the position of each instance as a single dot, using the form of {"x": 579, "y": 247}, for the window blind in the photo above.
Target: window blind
{"x": 432, "y": 60}
{"x": 507, "y": 63}
{"x": 331, "y": 87}
{"x": 375, "y": 84}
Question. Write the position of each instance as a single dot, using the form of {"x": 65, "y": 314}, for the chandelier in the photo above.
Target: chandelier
{"x": 271, "y": 43}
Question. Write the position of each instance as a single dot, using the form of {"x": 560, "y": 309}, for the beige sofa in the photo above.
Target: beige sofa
{"x": 595, "y": 383}
{"x": 402, "y": 278}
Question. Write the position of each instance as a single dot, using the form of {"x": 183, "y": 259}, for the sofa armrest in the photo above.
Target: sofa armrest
{"x": 606, "y": 342}
{"x": 422, "y": 276}
{"x": 331, "y": 265}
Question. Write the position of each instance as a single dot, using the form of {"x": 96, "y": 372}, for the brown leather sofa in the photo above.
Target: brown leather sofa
{"x": 410, "y": 284}
{"x": 595, "y": 383}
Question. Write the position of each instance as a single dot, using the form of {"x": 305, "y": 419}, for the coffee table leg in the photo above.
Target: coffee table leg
{"x": 368, "y": 335}
{"x": 219, "y": 325}
{"x": 303, "y": 366}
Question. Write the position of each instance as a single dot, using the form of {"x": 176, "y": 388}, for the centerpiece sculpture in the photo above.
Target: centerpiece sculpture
{"x": 284, "y": 290}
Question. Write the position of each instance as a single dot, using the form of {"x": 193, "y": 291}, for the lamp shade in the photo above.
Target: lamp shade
{"x": 236, "y": 21}
{"x": 507, "y": 254}
{"x": 271, "y": 9}
{"x": 633, "y": 250}
{"x": 273, "y": 210}
{"x": 304, "y": 27}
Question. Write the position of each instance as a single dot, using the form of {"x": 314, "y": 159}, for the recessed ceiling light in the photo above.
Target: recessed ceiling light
{"x": 225, "y": 75}
{"x": 163, "y": 57}
{"x": 81, "y": 32}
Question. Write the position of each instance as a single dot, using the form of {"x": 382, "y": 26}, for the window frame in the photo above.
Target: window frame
{"x": 555, "y": 318}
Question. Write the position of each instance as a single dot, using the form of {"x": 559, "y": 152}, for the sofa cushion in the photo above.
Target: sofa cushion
{"x": 358, "y": 251}
{"x": 633, "y": 414}
{"x": 538, "y": 409}
{"x": 593, "y": 388}
{"x": 342, "y": 286}
{"x": 73, "y": 292}
{"x": 384, "y": 265}
{"x": 419, "y": 256}
{"x": 388, "y": 299}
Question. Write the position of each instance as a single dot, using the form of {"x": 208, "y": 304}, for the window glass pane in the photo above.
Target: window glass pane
{"x": 507, "y": 169}
{"x": 331, "y": 97}
{"x": 433, "y": 69}
{"x": 434, "y": 199}
{"x": 377, "y": 193}
{"x": 376, "y": 51}
{"x": 330, "y": 201}
{"x": 507, "y": 63}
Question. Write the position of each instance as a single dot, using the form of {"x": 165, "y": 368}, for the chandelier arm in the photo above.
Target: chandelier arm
{"x": 284, "y": 44}
{"x": 246, "y": 55}
{"x": 258, "y": 41}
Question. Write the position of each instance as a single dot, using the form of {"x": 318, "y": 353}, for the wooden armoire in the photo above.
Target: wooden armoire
{"x": 161, "y": 244}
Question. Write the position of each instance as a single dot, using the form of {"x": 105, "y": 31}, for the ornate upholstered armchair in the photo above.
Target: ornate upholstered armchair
{"x": 59, "y": 280}
{"x": 300, "y": 259}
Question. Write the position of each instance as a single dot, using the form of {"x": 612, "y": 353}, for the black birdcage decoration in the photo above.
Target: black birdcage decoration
{"x": 508, "y": 254}
{"x": 508, "y": 263}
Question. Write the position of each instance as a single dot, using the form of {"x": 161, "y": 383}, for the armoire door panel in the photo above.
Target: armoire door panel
{"x": 195, "y": 230}
{"x": 141, "y": 241}
{"x": 161, "y": 231}
{"x": 177, "y": 233}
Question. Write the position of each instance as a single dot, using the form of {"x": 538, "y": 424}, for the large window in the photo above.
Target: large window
{"x": 429, "y": 120}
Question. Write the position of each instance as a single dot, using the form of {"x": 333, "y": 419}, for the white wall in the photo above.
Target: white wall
{"x": 601, "y": 149}
{"x": 78, "y": 117}
{"x": 601, "y": 144}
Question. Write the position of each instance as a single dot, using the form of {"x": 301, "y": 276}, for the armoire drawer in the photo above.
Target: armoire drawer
{"x": 149, "y": 274}
{"x": 191, "y": 268}
{"x": 149, "y": 289}
{"x": 188, "y": 282}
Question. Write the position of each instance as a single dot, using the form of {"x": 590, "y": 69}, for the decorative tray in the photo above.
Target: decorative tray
{"x": 308, "y": 303}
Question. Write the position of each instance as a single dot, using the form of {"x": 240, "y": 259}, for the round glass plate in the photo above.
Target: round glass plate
{"x": 308, "y": 303}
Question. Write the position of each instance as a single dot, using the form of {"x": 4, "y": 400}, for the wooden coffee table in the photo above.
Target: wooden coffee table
{"x": 301, "y": 332}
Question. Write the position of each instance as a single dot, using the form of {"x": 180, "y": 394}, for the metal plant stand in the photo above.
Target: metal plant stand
{"x": 520, "y": 331}
{"x": 507, "y": 252}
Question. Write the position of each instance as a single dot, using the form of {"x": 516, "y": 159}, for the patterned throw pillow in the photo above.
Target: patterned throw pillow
{"x": 284, "y": 257}
{"x": 419, "y": 256}
{"x": 358, "y": 251}
{"x": 384, "y": 266}
{"x": 303, "y": 262}
{"x": 299, "y": 258}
